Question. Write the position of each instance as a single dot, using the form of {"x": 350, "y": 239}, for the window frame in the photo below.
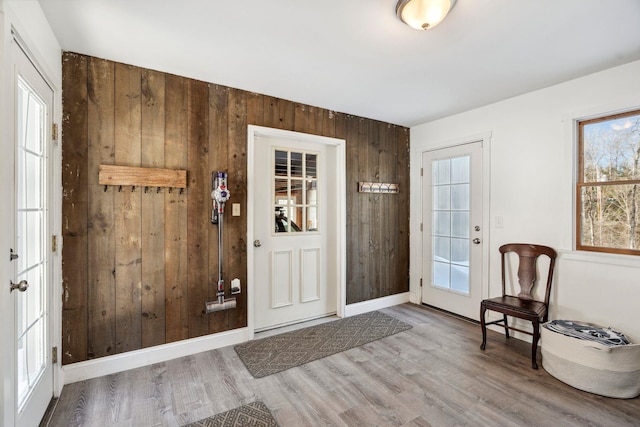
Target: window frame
{"x": 302, "y": 228}
{"x": 581, "y": 183}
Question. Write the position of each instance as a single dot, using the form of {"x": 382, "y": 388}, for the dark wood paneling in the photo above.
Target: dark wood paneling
{"x": 101, "y": 226}
{"x": 127, "y": 211}
{"x": 153, "y": 214}
{"x": 402, "y": 222}
{"x": 175, "y": 229}
{"x": 198, "y": 206}
{"x": 235, "y": 235}
{"x": 138, "y": 267}
{"x": 74, "y": 209}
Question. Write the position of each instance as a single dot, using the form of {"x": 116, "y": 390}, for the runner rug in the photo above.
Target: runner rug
{"x": 255, "y": 414}
{"x": 277, "y": 353}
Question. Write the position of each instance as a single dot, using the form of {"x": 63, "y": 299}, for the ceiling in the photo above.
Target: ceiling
{"x": 356, "y": 56}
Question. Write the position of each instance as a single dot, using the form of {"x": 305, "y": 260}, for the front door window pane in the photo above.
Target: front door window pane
{"x": 295, "y": 191}
{"x": 450, "y": 232}
{"x": 30, "y": 231}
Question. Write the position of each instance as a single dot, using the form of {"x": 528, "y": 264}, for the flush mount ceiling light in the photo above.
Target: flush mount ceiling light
{"x": 423, "y": 14}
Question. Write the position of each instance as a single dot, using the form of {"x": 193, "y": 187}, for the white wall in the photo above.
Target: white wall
{"x": 28, "y": 20}
{"x": 532, "y": 187}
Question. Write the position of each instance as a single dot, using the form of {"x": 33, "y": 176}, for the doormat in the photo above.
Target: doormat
{"x": 277, "y": 353}
{"x": 254, "y": 414}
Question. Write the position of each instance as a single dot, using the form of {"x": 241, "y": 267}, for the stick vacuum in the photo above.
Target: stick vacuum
{"x": 220, "y": 195}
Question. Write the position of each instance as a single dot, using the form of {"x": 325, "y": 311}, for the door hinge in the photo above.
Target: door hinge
{"x": 54, "y": 355}
{"x": 421, "y": 171}
{"x": 54, "y": 131}
{"x": 421, "y": 282}
{"x": 420, "y": 226}
{"x": 54, "y": 243}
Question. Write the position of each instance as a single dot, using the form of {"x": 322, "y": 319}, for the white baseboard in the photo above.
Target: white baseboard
{"x": 135, "y": 359}
{"x": 376, "y": 304}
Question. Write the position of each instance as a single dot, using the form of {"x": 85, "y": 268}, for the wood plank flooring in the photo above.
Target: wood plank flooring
{"x": 432, "y": 375}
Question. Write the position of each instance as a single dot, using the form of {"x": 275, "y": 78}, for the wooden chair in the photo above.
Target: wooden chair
{"x": 522, "y": 306}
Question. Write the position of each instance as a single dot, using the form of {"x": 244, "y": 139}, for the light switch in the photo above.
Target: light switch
{"x": 235, "y": 209}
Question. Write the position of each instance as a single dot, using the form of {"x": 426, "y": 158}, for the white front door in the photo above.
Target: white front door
{"x": 32, "y": 373}
{"x": 295, "y": 275}
{"x": 452, "y": 229}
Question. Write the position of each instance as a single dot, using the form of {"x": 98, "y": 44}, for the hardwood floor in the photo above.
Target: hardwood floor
{"x": 432, "y": 375}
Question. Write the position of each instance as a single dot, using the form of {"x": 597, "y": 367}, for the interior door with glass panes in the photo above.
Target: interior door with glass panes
{"x": 33, "y": 373}
{"x": 451, "y": 236}
{"x": 291, "y": 221}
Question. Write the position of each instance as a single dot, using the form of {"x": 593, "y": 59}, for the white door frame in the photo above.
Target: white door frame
{"x": 416, "y": 255}
{"x": 9, "y": 37}
{"x": 340, "y": 199}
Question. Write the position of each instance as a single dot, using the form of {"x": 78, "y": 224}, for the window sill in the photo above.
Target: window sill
{"x": 600, "y": 258}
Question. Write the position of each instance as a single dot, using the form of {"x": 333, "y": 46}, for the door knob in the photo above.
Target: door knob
{"x": 257, "y": 243}
{"x": 21, "y": 286}
{"x": 476, "y": 241}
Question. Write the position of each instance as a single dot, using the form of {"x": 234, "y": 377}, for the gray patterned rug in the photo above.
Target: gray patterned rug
{"x": 274, "y": 354}
{"x": 254, "y": 414}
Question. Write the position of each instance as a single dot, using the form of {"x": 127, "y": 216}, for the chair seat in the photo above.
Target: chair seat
{"x": 514, "y": 306}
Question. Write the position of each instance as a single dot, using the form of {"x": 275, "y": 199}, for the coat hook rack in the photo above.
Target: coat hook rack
{"x": 378, "y": 187}
{"x": 142, "y": 177}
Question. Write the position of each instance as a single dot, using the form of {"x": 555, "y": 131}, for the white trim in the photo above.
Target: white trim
{"x": 631, "y": 261}
{"x": 135, "y": 359}
{"x": 341, "y": 200}
{"x": 376, "y": 304}
{"x": 569, "y": 177}
{"x": 417, "y": 148}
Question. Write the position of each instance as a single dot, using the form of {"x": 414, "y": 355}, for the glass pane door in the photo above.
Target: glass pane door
{"x": 450, "y": 230}
{"x": 31, "y": 122}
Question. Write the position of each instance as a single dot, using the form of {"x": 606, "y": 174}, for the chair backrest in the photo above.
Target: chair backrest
{"x": 528, "y": 255}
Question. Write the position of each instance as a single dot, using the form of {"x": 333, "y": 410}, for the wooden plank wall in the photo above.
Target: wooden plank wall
{"x": 138, "y": 266}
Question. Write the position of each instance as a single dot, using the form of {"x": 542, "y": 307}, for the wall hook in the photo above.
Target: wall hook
{"x": 106, "y": 187}
{"x": 133, "y": 188}
{"x": 158, "y": 189}
{"x": 170, "y": 188}
{"x": 146, "y": 189}
{"x": 181, "y": 191}
{"x": 120, "y": 189}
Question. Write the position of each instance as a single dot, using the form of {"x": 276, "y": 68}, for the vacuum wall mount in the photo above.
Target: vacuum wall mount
{"x": 220, "y": 194}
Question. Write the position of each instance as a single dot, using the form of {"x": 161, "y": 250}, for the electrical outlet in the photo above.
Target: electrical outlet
{"x": 235, "y": 209}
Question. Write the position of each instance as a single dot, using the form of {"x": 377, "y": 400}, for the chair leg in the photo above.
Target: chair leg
{"x": 534, "y": 344}
{"x": 483, "y": 326}
{"x": 506, "y": 326}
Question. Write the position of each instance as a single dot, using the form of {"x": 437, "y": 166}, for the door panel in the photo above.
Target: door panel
{"x": 33, "y": 373}
{"x": 452, "y": 229}
{"x": 291, "y": 221}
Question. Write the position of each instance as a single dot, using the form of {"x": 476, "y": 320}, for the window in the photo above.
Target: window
{"x": 608, "y": 184}
{"x": 295, "y": 191}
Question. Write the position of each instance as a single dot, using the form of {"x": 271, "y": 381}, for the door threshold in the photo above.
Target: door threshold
{"x": 46, "y": 418}
{"x": 457, "y": 316}
{"x": 295, "y": 325}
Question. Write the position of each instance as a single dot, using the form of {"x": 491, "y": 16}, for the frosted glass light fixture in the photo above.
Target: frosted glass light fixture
{"x": 423, "y": 14}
